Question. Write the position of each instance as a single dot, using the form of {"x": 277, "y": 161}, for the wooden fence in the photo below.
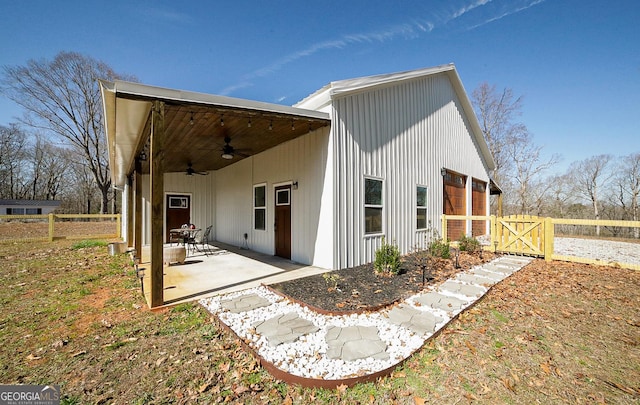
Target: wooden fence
{"x": 534, "y": 236}
{"x": 39, "y": 228}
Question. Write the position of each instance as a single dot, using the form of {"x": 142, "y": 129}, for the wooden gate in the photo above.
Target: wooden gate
{"x": 520, "y": 234}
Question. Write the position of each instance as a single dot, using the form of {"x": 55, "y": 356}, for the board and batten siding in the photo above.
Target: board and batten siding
{"x": 402, "y": 133}
{"x": 303, "y": 160}
{"x": 202, "y": 191}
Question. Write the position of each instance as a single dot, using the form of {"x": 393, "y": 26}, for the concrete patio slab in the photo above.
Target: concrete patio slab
{"x": 225, "y": 269}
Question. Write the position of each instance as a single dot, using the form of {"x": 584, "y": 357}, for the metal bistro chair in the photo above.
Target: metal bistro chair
{"x": 206, "y": 238}
{"x": 191, "y": 240}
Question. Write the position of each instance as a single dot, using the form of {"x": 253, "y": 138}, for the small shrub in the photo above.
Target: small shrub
{"x": 332, "y": 281}
{"x": 387, "y": 259}
{"x": 439, "y": 248}
{"x": 468, "y": 244}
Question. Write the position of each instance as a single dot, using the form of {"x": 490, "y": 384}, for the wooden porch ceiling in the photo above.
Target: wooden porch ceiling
{"x": 194, "y": 134}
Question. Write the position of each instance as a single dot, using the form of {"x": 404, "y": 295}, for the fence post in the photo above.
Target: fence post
{"x": 51, "y": 227}
{"x": 493, "y": 232}
{"x": 548, "y": 239}
{"x": 444, "y": 227}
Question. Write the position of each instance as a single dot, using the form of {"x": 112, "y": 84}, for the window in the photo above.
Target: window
{"x": 259, "y": 207}
{"x": 372, "y": 206}
{"x": 283, "y": 197}
{"x": 421, "y": 207}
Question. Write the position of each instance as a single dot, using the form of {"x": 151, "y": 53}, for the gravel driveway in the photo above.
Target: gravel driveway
{"x": 605, "y": 250}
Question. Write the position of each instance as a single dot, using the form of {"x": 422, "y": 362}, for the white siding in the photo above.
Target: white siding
{"x": 202, "y": 192}
{"x": 403, "y": 134}
{"x": 305, "y": 160}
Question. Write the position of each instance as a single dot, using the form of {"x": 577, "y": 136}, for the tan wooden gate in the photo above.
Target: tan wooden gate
{"x": 521, "y": 234}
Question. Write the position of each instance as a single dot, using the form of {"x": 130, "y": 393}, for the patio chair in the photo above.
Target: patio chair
{"x": 206, "y": 238}
{"x": 192, "y": 240}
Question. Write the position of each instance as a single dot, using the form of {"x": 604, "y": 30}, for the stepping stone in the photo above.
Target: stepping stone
{"x": 497, "y": 269}
{"x": 284, "y": 328}
{"x": 487, "y": 274}
{"x": 474, "y": 279}
{"x": 244, "y": 303}
{"x": 436, "y": 300}
{"x": 464, "y": 289}
{"x": 355, "y": 342}
{"x": 411, "y": 318}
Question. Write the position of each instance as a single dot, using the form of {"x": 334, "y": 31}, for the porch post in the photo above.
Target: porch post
{"x": 129, "y": 197}
{"x": 137, "y": 225}
{"x": 157, "y": 201}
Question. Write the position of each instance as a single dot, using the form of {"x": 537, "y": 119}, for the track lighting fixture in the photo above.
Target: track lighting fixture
{"x": 222, "y": 120}
{"x": 191, "y": 120}
{"x": 249, "y": 123}
{"x": 271, "y": 125}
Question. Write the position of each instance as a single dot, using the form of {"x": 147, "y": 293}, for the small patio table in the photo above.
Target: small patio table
{"x": 188, "y": 236}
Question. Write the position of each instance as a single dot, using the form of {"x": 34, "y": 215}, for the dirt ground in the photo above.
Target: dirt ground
{"x": 73, "y": 315}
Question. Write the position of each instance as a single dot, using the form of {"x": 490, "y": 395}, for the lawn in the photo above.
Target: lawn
{"x": 73, "y": 315}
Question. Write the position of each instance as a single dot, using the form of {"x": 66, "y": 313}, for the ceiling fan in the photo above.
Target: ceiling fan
{"x": 191, "y": 171}
{"x": 228, "y": 151}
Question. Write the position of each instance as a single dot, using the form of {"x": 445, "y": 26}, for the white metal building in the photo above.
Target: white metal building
{"x": 321, "y": 182}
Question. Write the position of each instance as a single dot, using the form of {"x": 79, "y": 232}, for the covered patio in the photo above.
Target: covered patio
{"x": 220, "y": 269}
{"x": 157, "y": 135}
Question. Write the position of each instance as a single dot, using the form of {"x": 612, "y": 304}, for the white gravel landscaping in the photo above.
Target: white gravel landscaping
{"x": 605, "y": 250}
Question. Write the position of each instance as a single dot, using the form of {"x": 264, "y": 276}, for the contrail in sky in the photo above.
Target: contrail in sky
{"x": 411, "y": 29}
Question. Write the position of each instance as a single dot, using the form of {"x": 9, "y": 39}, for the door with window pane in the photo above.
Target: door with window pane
{"x": 283, "y": 221}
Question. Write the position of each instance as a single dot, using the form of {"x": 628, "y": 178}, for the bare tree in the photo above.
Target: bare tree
{"x": 13, "y": 146}
{"x": 497, "y": 113}
{"x": 527, "y": 172}
{"x": 62, "y": 96}
{"x": 628, "y": 187}
{"x": 589, "y": 177}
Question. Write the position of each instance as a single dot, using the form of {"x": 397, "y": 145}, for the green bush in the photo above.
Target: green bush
{"x": 439, "y": 248}
{"x": 387, "y": 259}
{"x": 468, "y": 244}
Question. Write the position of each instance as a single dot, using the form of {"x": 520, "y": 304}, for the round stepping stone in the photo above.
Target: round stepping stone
{"x": 355, "y": 342}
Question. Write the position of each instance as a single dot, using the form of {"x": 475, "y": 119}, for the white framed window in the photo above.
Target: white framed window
{"x": 283, "y": 196}
{"x": 421, "y": 207}
{"x": 178, "y": 202}
{"x": 373, "y": 205}
{"x": 260, "y": 207}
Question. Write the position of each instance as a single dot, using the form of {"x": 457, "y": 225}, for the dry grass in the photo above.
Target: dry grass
{"x": 552, "y": 333}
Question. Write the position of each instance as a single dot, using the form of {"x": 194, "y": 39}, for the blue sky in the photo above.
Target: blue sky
{"x": 575, "y": 62}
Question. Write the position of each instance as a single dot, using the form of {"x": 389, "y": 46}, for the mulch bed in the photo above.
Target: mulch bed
{"x": 362, "y": 289}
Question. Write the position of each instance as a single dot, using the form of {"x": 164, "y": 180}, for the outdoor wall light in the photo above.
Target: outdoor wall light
{"x": 294, "y": 185}
{"x": 443, "y": 172}
{"x": 142, "y": 156}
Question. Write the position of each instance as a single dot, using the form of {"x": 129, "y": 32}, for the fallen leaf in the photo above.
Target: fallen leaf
{"x": 160, "y": 360}
{"x": 342, "y": 388}
{"x": 545, "y": 367}
{"x": 288, "y": 400}
{"x": 79, "y": 353}
{"x": 33, "y": 357}
{"x": 470, "y": 346}
{"x": 509, "y": 384}
{"x": 340, "y": 304}
{"x": 418, "y": 401}
{"x": 224, "y": 367}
